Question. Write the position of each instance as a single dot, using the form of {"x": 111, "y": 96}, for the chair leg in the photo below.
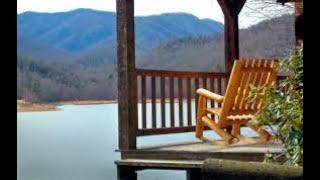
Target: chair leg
{"x": 264, "y": 135}
{"x": 228, "y": 138}
{"x": 236, "y": 133}
{"x": 235, "y": 129}
{"x": 200, "y": 113}
{"x": 199, "y": 129}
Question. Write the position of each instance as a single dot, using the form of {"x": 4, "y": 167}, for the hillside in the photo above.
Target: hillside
{"x": 269, "y": 39}
{"x": 82, "y": 29}
{"x": 36, "y": 49}
{"x": 93, "y": 76}
{"x": 38, "y": 81}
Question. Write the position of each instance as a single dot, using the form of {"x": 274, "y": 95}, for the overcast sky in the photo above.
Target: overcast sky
{"x": 200, "y": 8}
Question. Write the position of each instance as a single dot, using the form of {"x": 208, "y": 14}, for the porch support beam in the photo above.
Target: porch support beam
{"x": 127, "y": 80}
{"x": 231, "y": 10}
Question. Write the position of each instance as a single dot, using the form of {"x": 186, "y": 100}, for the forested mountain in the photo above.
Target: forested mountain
{"x": 272, "y": 38}
{"x": 49, "y": 82}
{"x": 92, "y": 74}
{"x": 36, "y": 49}
{"x": 81, "y": 29}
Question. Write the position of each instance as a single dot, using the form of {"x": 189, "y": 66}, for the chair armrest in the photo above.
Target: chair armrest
{"x": 210, "y": 95}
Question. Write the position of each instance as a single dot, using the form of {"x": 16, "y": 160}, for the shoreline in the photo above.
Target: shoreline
{"x": 86, "y": 102}
{"x": 23, "y": 106}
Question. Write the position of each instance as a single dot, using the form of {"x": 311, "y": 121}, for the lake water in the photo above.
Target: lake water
{"x": 78, "y": 142}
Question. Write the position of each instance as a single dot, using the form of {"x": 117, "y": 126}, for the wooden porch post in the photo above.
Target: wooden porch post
{"x": 127, "y": 87}
{"x": 231, "y": 10}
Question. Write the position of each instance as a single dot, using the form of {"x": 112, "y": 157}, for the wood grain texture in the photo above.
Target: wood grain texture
{"x": 235, "y": 110}
{"x": 163, "y": 105}
{"x": 172, "y": 121}
{"x": 143, "y": 102}
{"x": 189, "y": 117}
{"x": 127, "y": 79}
{"x": 180, "y": 96}
{"x": 153, "y": 103}
{"x": 231, "y": 9}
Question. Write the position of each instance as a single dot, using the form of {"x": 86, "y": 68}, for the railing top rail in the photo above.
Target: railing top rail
{"x": 184, "y": 74}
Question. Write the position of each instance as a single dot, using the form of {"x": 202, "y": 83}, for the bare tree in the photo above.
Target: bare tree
{"x": 258, "y": 10}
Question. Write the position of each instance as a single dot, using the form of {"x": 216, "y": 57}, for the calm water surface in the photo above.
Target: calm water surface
{"x": 78, "y": 143}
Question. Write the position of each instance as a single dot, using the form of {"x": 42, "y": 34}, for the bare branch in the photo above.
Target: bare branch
{"x": 258, "y": 10}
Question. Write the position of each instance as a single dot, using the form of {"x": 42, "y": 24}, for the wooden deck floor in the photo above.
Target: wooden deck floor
{"x": 201, "y": 151}
{"x": 209, "y": 147}
{"x": 165, "y": 164}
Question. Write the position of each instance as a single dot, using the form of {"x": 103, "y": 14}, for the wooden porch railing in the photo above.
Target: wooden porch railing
{"x": 167, "y": 102}
{"x": 174, "y": 94}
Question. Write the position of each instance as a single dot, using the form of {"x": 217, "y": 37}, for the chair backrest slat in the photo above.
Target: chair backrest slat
{"x": 246, "y": 72}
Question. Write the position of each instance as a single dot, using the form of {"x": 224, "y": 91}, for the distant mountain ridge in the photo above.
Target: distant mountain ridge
{"x": 83, "y": 29}
{"x": 36, "y": 49}
{"x": 92, "y": 72}
{"x": 272, "y": 38}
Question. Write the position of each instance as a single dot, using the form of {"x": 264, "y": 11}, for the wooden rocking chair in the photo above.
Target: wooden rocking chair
{"x": 235, "y": 110}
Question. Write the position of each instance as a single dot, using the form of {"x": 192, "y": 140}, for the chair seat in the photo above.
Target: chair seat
{"x": 217, "y": 111}
{"x": 240, "y": 117}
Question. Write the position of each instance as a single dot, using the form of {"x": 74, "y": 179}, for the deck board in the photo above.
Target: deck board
{"x": 201, "y": 151}
{"x": 209, "y": 147}
{"x": 155, "y": 163}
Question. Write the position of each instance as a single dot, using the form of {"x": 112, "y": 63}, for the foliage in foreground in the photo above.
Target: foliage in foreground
{"x": 283, "y": 109}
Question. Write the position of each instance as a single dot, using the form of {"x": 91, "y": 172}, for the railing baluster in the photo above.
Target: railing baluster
{"x": 219, "y": 89}
{"x": 172, "y": 101}
{"x": 204, "y": 82}
{"x": 225, "y": 84}
{"x": 143, "y": 101}
{"x": 180, "y": 85}
{"x": 153, "y": 102}
{"x": 212, "y": 101}
{"x": 189, "y": 101}
{"x": 197, "y": 97}
{"x": 219, "y": 81}
{"x": 212, "y": 90}
{"x": 163, "y": 105}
